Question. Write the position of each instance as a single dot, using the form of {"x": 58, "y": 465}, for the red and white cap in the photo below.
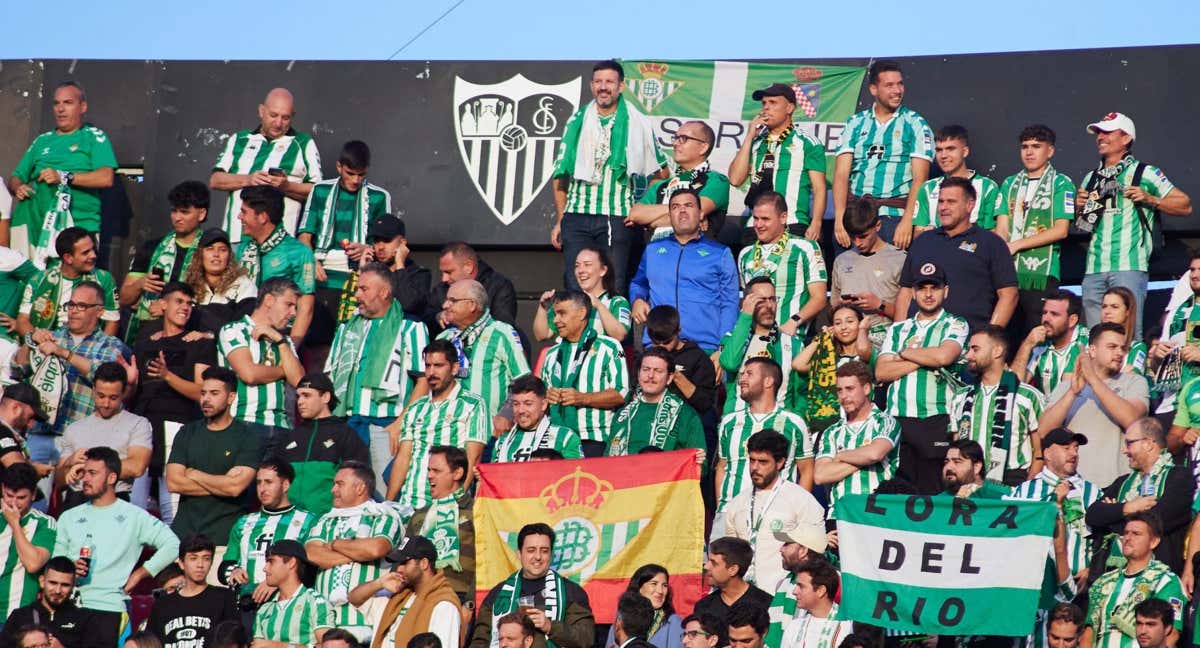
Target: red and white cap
{"x": 1114, "y": 121}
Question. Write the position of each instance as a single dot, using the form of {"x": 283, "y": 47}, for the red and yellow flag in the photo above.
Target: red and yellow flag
{"x": 610, "y": 516}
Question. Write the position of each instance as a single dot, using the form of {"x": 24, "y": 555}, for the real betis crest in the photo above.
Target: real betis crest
{"x": 582, "y": 545}
{"x": 652, "y": 89}
{"x": 508, "y": 134}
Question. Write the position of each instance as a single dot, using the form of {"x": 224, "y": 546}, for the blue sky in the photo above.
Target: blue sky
{"x": 541, "y": 29}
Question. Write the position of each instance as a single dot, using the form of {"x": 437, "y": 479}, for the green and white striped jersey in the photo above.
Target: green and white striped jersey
{"x": 18, "y": 586}
{"x": 458, "y": 419}
{"x": 796, "y": 155}
{"x": 294, "y": 621}
{"x": 738, "y": 427}
{"x": 613, "y": 195}
{"x": 883, "y": 153}
{"x": 1047, "y": 364}
{"x": 491, "y": 356}
{"x": 977, "y": 425}
{"x": 988, "y": 201}
{"x": 254, "y": 532}
{"x": 518, "y": 444}
{"x": 249, "y": 151}
{"x": 1120, "y": 242}
{"x": 781, "y": 610}
{"x": 1083, "y": 494}
{"x": 844, "y": 435}
{"x": 359, "y": 338}
{"x": 1113, "y": 588}
{"x": 924, "y": 392}
{"x": 594, "y": 364}
{"x": 792, "y": 263}
{"x": 367, "y": 520}
{"x": 263, "y": 404}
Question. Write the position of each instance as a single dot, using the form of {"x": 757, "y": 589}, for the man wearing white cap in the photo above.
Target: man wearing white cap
{"x": 801, "y": 543}
{"x": 1118, "y": 202}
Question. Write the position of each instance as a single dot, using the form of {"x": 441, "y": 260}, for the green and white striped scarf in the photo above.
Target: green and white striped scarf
{"x": 45, "y": 214}
{"x": 163, "y": 257}
{"x": 254, "y": 252}
{"x": 625, "y": 144}
{"x": 554, "y": 605}
{"x": 1030, "y": 218}
{"x": 666, "y": 414}
{"x": 353, "y": 363}
{"x": 362, "y": 210}
{"x": 441, "y": 528}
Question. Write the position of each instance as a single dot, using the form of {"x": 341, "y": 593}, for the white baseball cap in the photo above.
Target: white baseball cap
{"x": 1114, "y": 121}
{"x": 809, "y": 534}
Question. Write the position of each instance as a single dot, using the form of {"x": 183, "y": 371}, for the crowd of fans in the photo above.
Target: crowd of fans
{"x": 276, "y": 415}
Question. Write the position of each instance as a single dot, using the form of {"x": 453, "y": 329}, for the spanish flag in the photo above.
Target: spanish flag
{"x": 610, "y": 516}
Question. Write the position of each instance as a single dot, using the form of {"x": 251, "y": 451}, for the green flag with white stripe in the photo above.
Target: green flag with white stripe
{"x": 943, "y": 565}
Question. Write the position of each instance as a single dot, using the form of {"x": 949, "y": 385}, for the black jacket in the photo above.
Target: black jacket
{"x": 1174, "y": 508}
{"x": 502, "y": 298}
{"x": 315, "y": 448}
{"x": 698, "y": 368}
{"x": 67, "y": 623}
{"x": 410, "y": 287}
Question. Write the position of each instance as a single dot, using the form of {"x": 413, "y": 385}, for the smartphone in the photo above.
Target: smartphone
{"x": 275, "y": 171}
{"x": 847, "y": 297}
{"x": 157, "y": 273}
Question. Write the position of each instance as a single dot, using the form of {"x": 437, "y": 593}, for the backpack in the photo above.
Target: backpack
{"x": 1151, "y": 224}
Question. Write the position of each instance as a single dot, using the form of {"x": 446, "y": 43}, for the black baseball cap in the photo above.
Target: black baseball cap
{"x": 776, "y": 90}
{"x": 213, "y": 236}
{"x": 385, "y": 227}
{"x": 25, "y": 393}
{"x": 319, "y": 381}
{"x": 289, "y": 548}
{"x": 413, "y": 548}
{"x": 1063, "y": 436}
{"x": 930, "y": 273}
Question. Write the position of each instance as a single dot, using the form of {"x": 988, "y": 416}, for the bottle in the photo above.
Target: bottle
{"x": 85, "y": 554}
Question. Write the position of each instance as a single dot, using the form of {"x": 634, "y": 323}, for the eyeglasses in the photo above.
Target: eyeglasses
{"x": 71, "y": 305}
{"x": 692, "y": 634}
{"x": 1129, "y": 442}
{"x": 455, "y": 300}
{"x": 681, "y": 138}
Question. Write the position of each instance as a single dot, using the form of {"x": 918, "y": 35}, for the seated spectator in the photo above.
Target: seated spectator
{"x": 868, "y": 274}
{"x": 1154, "y": 620}
{"x": 665, "y": 629}
{"x": 243, "y": 567}
{"x": 695, "y": 377}
{"x": 232, "y": 634}
{"x": 190, "y": 613}
{"x": 656, "y": 417}
{"x": 515, "y": 630}
{"x": 297, "y": 614}
{"x": 701, "y": 631}
{"x": 410, "y": 280}
{"x": 224, "y": 289}
{"x": 172, "y": 356}
{"x": 29, "y": 534}
{"x": 846, "y": 340}
{"x": 746, "y": 625}
{"x": 532, "y": 429}
{"x": 1047, "y": 354}
{"x": 106, "y": 537}
{"x": 757, "y": 334}
{"x": 449, "y": 520}
{"x": 564, "y": 617}
{"x": 108, "y": 425}
{"x": 339, "y": 638}
{"x": 52, "y": 603}
{"x": 1156, "y": 485}
{"x": 459, "y": 261}
{"x": 318, "y": 444}
{"x": 546, "y": 454}
{"x": 45, "y": 296}
{"x": 694, "y": 274}
{"x": 801, "y": 544}
{"x": 34, "y": 636}
{"x": 268, "y": 251}
{"x": 633, "y": 621}
{"x": 349, "y": 542}
{"x": 447, "y": 415}
{"x": 212, "y": 463}
{"x": 593, "y": 271}
{"x": 817, "y": 584}
{"x": 728, "y": 561}
{"x": 376, "y": 365}
{"x": 158, "y": 263}
{"x": 585, "y": 374}
{"x": 20, "y": 409}
{"x": 793, "y": 264}
{"x": 1065, "y": 625}
{"x": 427, "y": 602}
{"x": 771, "y": 503}
{"x": 1100, "y": 399}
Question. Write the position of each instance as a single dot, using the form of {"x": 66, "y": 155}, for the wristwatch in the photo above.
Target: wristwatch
{"x": 797, "y": 319}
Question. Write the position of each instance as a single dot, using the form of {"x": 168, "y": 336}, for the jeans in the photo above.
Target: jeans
{"x": 140, "y": 495}
{"x": 1095, "y": 285}
{"x": 373, "y": 432}
{"x": 44, "y": 448}
{"x": 608, "y": 233}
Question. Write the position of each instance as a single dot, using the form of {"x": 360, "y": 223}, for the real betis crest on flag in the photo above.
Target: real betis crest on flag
{"x": 943, "y": 565}
{"x": 609, "y": 515}
{"x": 720, "y": 93}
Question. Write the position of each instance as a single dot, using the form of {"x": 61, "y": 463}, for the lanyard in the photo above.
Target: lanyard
{"x": 754, "y": 526}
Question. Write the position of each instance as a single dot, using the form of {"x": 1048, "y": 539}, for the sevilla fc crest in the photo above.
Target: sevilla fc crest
{"x": 508, "y": 135}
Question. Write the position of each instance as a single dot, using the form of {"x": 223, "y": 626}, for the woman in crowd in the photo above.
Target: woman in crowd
{"x": 594, "y": 273}
{"x": 846, "y": 339}
{"x": 651, "y": 582}
{"x": 1119, "y": 307}
{"x": 224, "y": 289}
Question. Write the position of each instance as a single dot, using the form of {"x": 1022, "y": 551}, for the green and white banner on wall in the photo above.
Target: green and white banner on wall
{"x": 719, "y": 92}
{"x": 943, "y": 565}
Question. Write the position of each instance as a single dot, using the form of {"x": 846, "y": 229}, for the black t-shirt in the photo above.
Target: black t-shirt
{"x": 977, "y": 263}
{"x": 156, "y": 400}
{"x": 145, "y": 254}
{"x": 186, "y": 621}
{"x": 715, "y": 605}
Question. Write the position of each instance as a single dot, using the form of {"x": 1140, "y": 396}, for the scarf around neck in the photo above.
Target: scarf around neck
{"x": 328, "y": 205}
{"x": 441, "y": 527}
{"x": 254, "y": 252}
{"x": 1000, "y": 438}
{"x": 625, "y": 144}
{"x": 554, "y": 603}
{"x": 662, "y": 427}
{"x": 1028, "y": 219}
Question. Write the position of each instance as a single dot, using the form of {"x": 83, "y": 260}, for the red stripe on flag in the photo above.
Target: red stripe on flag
{"x": 603, "y": 593}
{"x": 527, "y": 479}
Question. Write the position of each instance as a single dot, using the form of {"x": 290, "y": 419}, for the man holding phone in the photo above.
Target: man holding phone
{"x": 868, "y": 274}
{"x": 273, "y": 154}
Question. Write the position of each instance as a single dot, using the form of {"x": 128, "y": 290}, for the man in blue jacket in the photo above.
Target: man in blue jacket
{"x": 691, "y": 272}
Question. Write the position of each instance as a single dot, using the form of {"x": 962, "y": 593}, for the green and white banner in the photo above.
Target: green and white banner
{"x": 943, "y": 565}
{"x": 719, "y": 92}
